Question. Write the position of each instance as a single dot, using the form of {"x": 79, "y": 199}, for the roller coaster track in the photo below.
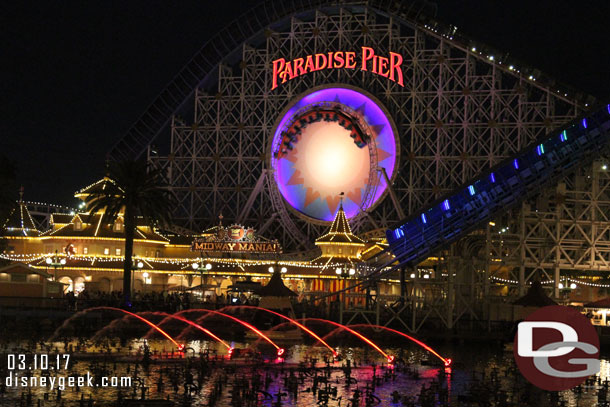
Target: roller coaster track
{"x": 200, "y": 71}
{"x": 504, "y": 186}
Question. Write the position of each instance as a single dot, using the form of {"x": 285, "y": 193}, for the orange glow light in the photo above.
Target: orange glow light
{"x": 446, "y": 362}
{"x": 389, "y": 358}
{"x": 303, "y": 327}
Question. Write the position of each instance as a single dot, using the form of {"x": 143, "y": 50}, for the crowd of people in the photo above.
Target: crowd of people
{"x": 158, "y": 301}
{"x": 176, "y": 301}
{"x": 173, "y": 301}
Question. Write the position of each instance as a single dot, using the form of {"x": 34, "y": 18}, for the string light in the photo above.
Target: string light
{"x": 574, "y": 281}
{"x": 504, "y": 280}
{"x": 66, "y": 208}
{"x": 219, "y": 263}
{"x": 587, "y": 283}
{"x": 180, "y": 262}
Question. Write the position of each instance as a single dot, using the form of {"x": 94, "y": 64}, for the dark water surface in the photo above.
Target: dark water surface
{"x": 482, "y": 375}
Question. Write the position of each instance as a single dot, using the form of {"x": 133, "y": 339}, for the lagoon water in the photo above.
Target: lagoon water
{"x": 482, "y": 375}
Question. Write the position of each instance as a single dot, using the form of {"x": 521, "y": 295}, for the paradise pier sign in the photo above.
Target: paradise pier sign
{"x": 235, "y": 239}
{"x": 388, "y": 67}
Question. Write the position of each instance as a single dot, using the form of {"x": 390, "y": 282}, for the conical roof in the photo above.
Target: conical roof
{"x": 535, "y": 297}
{"x": 20, "y": 222}
{"x": 340, "y": 231}
{"x": 275, "y": 288}
{"x": 97, "y": 187}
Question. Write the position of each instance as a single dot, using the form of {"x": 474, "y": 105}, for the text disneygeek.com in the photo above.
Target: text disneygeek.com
{"x": 21, "y": 366}
{"x": 62, "y": 382}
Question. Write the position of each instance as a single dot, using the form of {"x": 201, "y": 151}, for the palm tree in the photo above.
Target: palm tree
{"x": 7, "y": 195}
{"x": 7, "y": 188}
{"x": 135, "y": 191}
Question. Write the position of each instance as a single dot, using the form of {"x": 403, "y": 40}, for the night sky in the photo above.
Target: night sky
{"x": 77, "y": 74}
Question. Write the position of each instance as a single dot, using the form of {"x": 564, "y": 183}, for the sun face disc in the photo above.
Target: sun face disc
{"x": 328, "y": 142}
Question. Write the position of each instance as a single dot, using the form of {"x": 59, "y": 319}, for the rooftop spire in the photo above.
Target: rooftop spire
{"x": 340, "y": 230}
{"x": 94, "y": 188}
{"x": 20, "y": 222}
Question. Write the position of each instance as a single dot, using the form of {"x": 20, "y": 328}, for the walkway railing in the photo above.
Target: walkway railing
{"x": 504, "y": 186}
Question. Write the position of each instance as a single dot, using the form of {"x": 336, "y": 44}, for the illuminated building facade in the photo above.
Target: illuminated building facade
{"x": 461, "y": 109}
{"x": 259, "y": 127}
{"x": 84, "y": 251}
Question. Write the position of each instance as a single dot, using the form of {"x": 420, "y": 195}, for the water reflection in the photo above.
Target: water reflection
{"x": 307, "y": 376}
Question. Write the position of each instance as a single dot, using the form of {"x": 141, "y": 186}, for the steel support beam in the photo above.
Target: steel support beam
{"x": 253, "y": 195}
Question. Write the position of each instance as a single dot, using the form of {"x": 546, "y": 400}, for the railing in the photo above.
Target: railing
{"x": 504, "y": 186}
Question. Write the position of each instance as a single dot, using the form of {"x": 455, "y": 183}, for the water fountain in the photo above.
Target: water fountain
{"x": 197, "y": 371}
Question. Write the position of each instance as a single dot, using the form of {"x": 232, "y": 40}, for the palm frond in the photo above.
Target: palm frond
{"x": 133, "y": 184}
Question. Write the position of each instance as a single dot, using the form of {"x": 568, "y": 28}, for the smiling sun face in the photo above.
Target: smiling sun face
{"x": 326, "y": 144}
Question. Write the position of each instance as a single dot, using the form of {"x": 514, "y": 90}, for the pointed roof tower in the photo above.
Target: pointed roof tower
{"x": 96, "y": 187}
{"x": 340, "y": 231}
{"x": 339, "y": 244}
{"x": 99, "y": 187}
{"x": 275, "y": 295}
{"x": 535, "y": 297}
{"x": 275, "y": 288}
{"x": 20, "y": 222}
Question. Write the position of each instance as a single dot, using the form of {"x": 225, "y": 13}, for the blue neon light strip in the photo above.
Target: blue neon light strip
{"x": 544, "y": 162}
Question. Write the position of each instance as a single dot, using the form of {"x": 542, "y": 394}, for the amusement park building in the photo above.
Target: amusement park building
{"x": 82, "y": 250}
{"x": 306, "y": 115}
{"x": 424, "y": 110}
